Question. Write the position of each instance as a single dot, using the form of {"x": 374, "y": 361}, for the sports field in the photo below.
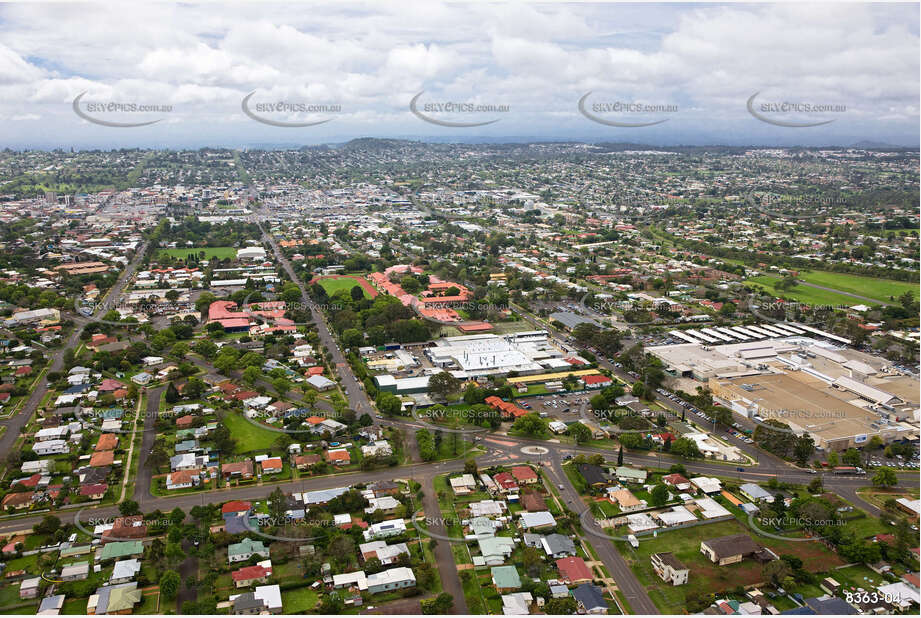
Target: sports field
{"x": 210, "y": 252}
{"x": 334, "y": 283}
{"x": 880, "y": 289}
{"x": 801, "y": 293}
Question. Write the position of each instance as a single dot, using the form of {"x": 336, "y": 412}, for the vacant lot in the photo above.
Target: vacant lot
{"x": 249, "y": 437}
{"x": 705, "y": 576}
{"x": 210, "y": 252}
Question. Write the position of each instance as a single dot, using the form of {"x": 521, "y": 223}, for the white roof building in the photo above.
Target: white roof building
{"x": 706, "y": 484}
{"x": 678, "y": 515}
{"x": 710, "y": 508}
{"x": 537, "y": 519}
{"x": 517, "y": 603}
{"x": 640, "y": 522}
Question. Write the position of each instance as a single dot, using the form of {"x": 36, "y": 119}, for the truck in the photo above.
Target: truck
{"x": 844, "y": 470}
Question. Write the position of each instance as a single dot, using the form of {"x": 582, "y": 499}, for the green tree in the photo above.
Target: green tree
{"x": 530, "y": 425}
{"x": 169, "y": 584}
{"x": 172, "y": 394}
{"x": 685, "y": 447}
{"x": 579, "y": 432}
{"x": 442, "y": 604}
{"x": 659, "y": 495}
{"x": 251, "y": 375}
{"x": 803, "y": 448}
{"x": 885, "y": 477}
{"x": 443, "y": 384}
{"x": 565, "y": 606}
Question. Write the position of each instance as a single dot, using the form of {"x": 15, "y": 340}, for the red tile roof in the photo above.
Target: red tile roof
{"x": 236, "y": 506}
{"x": 573, "y": 569}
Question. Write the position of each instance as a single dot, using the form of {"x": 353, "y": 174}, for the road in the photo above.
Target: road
{"x": 355, "y": 393}
{"x": 15, "y": 424}
{"x": 629, "y": 585}
{"x": 145, "y": 472}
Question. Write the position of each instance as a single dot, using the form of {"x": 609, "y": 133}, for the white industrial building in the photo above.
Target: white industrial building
{"x": 482, "y": 355}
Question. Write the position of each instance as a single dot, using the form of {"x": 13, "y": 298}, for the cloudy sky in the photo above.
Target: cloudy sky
{"x": 696, "y": 65}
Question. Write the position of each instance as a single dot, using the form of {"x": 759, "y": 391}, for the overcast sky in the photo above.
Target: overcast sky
{"x": 704, "y": 60}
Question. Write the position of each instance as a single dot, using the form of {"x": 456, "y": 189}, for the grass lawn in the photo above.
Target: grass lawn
{"x": 299, "y": 600}
{"x": 210, "y": 252}
{"x": 707, "y": 577}
{"x": 859, "y": 576}
{"x": 334, "y": 285}
{"x": 149, "y": 605}
{"x": 74, "y": 607}
{"x": 801, "y": 293}
{"x": 249, "y": 437}
{"x": 880, "y": 289}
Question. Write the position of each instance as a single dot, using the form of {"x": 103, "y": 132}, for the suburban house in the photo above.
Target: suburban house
{"x": 463, "y": 484}
{"x": 125, "y": 570}
{"x": 573, "y": 570}
{"x": 729, "y": 549}
{"x": 540, "y": 519}
{"x": 677, "y": 481}
{"x": 532, "y": 501}
{"x": 387, "y": 554}
{"x": 558, "y": 546}
{"x": 630, "y": 475}
{"x": 384, "y": 529}
{"x": 339, "y": 457}
{"x": 262, "y": 600}
{"x": 120, "y": 549}
{"x": 272, "y": 465}
{"x": 246, "y": 549}
{"x": 755, "y": 493}
{"x": 593, "y": 475}
{"x": 115, "y": 599}
{"x": 75, "y": 572}
{"x": 707, "y": 484}
{"x": 590, "y": 599}
{"x": 391, "y": 579}
{"x": 524, "y": 475}
{"x": 669, "y": 568}
{"x": 251, "y": 575}
{"x": 237, "y": 470}
{"x": 182, "y": 479}
{"x": 626, "y": 500}
{"x": 303, "y": 462}
{"x": 505, "y": 578}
